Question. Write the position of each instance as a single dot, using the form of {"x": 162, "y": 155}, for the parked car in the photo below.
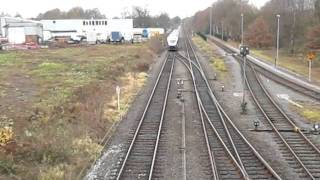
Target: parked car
{"x": 137, "y": 38}
{"x": 116, "y": 36}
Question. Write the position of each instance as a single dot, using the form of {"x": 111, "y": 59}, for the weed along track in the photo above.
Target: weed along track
{"x": 141, "y": 155}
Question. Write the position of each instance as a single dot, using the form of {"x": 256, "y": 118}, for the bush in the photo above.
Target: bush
{"x": 203, "y": 36}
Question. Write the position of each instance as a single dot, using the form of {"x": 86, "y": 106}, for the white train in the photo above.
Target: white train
{"x": 173, "y": 40}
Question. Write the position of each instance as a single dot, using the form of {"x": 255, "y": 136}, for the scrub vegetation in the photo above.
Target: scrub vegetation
{"x": 215, "y": 59}
{"x": 56, "y": 106}
{"x": 311, "y": 112}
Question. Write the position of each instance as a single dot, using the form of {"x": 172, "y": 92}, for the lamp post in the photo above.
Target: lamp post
{"x": 222, "y": 30}
{"x": 241, "y": 28}
{"x": 210, "y": 31}
{"x": 278, "y": 33}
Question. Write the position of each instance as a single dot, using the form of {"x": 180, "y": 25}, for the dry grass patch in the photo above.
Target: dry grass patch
{"x": 311, "y": 112}
{"x": 61, "y": 103}
{"x": 210, "y": 50}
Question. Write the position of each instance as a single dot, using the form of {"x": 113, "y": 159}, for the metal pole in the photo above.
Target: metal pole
{"x": 222, "y": 30}
{"x": 244, "y": 79}
{"x": 241, "y": 28}
{"x": 210, "y": 31}
{"x": 310, "y": 62}
{"x": 278, "y": 33}
{"x": 118, "y": 97}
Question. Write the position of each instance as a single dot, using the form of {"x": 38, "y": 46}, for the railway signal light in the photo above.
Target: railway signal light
{"x": 256, "y": 124}
{"x": 316, "y": 127}
{"x": 244, "y": 50}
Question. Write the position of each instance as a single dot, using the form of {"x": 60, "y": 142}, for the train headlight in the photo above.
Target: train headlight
{"x": 316, "y": 127}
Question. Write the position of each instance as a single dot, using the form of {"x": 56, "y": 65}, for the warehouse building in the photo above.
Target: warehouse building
{"x": 20, "y": 31}
{"x": 92, "y": 29}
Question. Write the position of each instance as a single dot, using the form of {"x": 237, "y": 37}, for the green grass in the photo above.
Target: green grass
{"x": 261, "y": 54}
{"x": 7, "y": 59}
{"x": 309, "y": 111}
{"x": 312, "y": 114}
{"x": 219, "y": 64}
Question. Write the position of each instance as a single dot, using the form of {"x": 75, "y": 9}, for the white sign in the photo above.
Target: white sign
{"x": 118, "y": 89}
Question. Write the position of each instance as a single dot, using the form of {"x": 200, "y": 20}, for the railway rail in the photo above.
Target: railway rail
{"x": 302, "y": 155}
{"x": 232, "y": 156}
{"x": 310, "y": 92}
{"x": 141, "y": 155}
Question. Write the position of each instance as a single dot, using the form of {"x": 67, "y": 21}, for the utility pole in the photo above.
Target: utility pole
{"x": 222, "y": 30}
{"x": 278, "y": 34}
{"x": 210, "y": 31}
{"x": 241, "y": 28}
{"x": 242, "y": 20}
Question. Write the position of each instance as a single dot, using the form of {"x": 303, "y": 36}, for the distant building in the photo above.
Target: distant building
{"x": 149, "y": 32}
{"x": 19, "y": 31}
{"x": 92, "y": 29}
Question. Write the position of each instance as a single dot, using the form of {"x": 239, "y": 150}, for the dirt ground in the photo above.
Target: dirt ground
{"x": 57, "y": 104}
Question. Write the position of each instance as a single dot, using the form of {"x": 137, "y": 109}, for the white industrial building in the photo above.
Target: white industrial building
{"x": 92, "y": 29}
{"x": 19, "y": 31}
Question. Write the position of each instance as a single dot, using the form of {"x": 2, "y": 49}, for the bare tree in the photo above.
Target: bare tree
{"x": 258, "y": 34}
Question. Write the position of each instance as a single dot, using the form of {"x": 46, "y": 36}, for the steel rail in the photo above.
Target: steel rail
{"x": 211, "y": 157}
{"x": 229, "y": 120}
{"x": 285, "y": 115}
{"x": 221, "y": 118}
{"x": 226, "y": 129}
{"x": 142, "y": 118}
{"x": 273, "y": 126}
{"x": 202, "y": 109}
{"x": 161, "y": 120}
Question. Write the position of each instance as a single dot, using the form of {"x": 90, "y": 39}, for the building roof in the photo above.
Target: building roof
{"x": 23, "y": 24}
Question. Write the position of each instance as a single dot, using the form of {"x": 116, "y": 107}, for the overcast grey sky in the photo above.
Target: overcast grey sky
{"x": 182, "y": 8}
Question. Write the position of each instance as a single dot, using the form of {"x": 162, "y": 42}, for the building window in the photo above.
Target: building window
{"x": 87, "y": 23}
{"x": 92, "y": 23}
{"x": 54, "y": 22}
{"x": 105, "y": 22}
{"x": 84, "y": 23}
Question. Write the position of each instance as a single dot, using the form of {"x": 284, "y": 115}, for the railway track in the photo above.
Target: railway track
{"x": 141, "y": 155}
{"x": 275, "y": 77}
{"x": 232, "y": 156}
{"x": 300, "y": 153}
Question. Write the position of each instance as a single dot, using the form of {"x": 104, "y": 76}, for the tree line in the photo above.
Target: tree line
{"x": 141, "y": 16}
{"x": 299, "y": 23}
